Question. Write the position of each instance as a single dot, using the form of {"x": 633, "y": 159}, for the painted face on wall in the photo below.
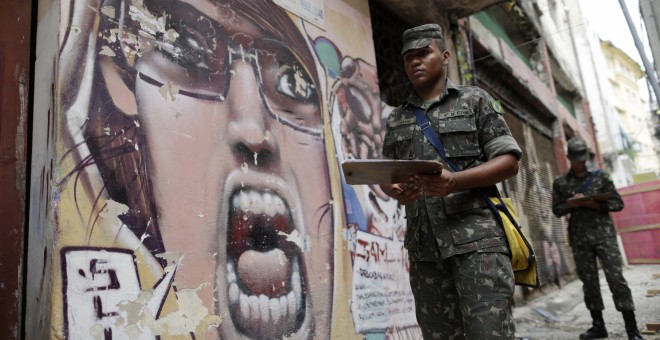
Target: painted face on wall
{"x": 226, "y": 99}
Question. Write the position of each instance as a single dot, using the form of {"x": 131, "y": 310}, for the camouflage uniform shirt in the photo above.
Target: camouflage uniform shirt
{"x": 472, "y": 129}
{"x": 586, "y": 226}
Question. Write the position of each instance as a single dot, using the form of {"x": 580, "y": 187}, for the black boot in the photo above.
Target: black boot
{"x": 631, "y": 325}
{"x": 597, "y": 331}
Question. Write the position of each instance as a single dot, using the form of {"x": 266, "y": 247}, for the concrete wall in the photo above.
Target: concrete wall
{"x": 186, "y": 175}
{"x": 42, "y": 230}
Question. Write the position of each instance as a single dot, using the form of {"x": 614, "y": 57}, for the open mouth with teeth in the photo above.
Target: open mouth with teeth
{"x": 265, "y": 283}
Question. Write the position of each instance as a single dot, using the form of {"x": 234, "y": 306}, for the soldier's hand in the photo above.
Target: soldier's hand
{"x": 441, "y": 184}
{"x": 404, "y": 193}
{"x": 591, "y": 204}
{"x": 588, "y": 203}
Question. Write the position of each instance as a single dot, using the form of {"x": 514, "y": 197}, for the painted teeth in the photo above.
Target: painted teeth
{"x": 261, "y": 312}
{"x": 260, "y": 316}
{"x": 275, "y": 312}
{"x": 252, "y": 201}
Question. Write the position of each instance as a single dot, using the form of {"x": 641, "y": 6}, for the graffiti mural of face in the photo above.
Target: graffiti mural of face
{"x": 237, "y": 165}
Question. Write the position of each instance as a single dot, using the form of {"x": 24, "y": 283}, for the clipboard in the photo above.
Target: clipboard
{"x": 602, "y": 197}
{"x": 384, "y": 171}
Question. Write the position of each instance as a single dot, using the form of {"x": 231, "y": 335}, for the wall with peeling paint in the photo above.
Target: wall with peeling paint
{"x": 186, "y": 175}
{"x": 41, "y": 280}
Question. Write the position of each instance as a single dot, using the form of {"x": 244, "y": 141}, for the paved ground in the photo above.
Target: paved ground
{"x": 561, "y": 314}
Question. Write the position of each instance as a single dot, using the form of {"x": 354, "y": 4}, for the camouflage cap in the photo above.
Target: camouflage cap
{"x": 578, "y": 151}
{"x": 420, "y": 36}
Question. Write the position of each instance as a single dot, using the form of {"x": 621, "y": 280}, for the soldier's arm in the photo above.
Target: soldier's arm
{"x": 614, "y": 203}
{"x": 489, "y": 173}
{"x": 559, "y": 207}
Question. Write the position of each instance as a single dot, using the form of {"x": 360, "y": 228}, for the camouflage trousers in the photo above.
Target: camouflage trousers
{"x": 466, "y": 296}
{"x": 587, "y": 269}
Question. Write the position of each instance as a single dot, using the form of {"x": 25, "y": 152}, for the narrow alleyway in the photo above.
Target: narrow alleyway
{"x": 562, "y": 314}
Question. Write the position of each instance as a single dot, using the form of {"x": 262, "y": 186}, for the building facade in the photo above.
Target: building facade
{"x": 635, "y": 115}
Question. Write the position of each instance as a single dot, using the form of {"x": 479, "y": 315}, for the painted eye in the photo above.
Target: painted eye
{"x": 293, "y": 82}
{"x": 193, "y": 53}
{"x": 285, "y": 80}
{"x": 191, "y": 48}
{"x": 288, "y": 88}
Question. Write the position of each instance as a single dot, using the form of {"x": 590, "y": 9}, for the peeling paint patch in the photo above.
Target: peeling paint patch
{"x": 190, "y": 317}
{"x": 296, "y": 238}
{"x": 171, "y": 35}
{"x": 149, "y": 23}
{"x": 112, "y": 36}
{"x": 19, "y": 74}
{"x": 97, "y": 331}
{"x": 105, "y": 50}
{"x": 169, "y": 91}
{"x": 108, "y": 11}
{"x": 113, "y": 210}
{"x": 144, "y": 237}
{"x": 172, "y": 259}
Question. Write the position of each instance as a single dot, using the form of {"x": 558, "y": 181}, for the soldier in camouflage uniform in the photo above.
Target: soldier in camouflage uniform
{"x": 460, "y": 269}
{"x": 592, "y": 235}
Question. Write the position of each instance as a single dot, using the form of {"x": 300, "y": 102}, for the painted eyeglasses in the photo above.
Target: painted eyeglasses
{"x": 195, "y": 53}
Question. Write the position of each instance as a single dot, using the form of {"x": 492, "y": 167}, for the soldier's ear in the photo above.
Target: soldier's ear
{"x": 446, "y": 54}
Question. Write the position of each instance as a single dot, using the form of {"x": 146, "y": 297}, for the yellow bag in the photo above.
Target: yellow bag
{"x": 523, "y": 259}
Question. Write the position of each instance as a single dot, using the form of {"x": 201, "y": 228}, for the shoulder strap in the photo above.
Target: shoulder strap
{"x": 587, "y": 183}
{"x": 432, "y": 135}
